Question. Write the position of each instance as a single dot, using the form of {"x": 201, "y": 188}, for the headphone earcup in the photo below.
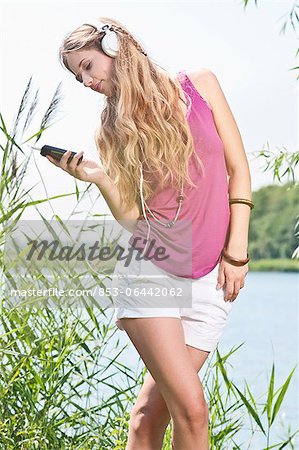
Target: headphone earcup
{"x": 110, "y": 44}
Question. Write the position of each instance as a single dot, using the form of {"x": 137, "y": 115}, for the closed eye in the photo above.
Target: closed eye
{"x": 87, "y": 68}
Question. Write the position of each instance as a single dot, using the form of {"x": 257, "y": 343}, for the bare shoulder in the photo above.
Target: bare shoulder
{"x": 205, "y": 83}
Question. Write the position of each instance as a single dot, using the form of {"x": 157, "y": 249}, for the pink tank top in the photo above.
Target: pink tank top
{"x": 203, "y": 222}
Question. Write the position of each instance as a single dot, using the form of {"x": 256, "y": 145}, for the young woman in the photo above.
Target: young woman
{"x": 171, "y": 151}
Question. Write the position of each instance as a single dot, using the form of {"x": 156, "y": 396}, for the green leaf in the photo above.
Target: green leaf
{"x": 283, "y": 391}
{"x": 25, "y": 205}
{"x": 250, "y": 409}
{"x": 270, "y": 395}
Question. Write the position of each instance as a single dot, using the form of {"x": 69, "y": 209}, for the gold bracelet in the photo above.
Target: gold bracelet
{"x": 234, "y": 261}
{"x": 242, "y": 200}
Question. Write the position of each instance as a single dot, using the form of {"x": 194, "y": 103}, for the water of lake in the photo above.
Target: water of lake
{"x": 265, "y": 317}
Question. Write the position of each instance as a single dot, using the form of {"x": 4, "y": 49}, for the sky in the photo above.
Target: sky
{"x": 243, "y": 47}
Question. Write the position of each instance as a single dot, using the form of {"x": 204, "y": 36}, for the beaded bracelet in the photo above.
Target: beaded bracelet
{"x": 242, "y": 200}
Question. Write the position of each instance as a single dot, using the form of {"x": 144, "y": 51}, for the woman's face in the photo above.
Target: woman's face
{"x": 92, "y": 68}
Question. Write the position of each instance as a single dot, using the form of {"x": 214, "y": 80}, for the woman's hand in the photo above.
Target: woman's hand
{"x": 86, "y": 170}
{"x": 233, "y": 277}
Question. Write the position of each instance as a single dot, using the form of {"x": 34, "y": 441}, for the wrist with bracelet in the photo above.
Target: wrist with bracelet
{"x": 224, "y": 254}
{"x": 232, "y": 260}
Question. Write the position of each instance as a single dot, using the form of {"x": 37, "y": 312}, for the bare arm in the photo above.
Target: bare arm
{"x": 91, "y": 172}
{"x": 111, "y": 194}
{"x": 237, "y": 243}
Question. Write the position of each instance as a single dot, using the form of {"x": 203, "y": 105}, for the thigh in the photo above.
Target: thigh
{"x": 150, "y": 400}
{"x": 161, "y": 344}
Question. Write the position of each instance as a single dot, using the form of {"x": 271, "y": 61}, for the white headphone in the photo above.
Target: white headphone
{"x": 109, "y": 43}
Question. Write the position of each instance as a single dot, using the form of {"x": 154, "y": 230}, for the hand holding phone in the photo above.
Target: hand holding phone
{"x": 73, "y": 163}
{"x": 55, "y": 152}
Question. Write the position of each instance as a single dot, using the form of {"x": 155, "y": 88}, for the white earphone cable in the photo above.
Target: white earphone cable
{"x": 143, "y": 209}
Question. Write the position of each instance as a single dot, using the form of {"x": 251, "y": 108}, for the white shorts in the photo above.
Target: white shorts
{"x": 203, "y": 311}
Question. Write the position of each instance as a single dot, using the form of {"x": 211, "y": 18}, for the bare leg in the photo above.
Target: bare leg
{"x": 150, "y": 417}
{"x": 160, "y": 343}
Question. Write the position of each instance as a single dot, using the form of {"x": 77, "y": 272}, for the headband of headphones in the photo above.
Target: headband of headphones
{"x": 109, "y": 43}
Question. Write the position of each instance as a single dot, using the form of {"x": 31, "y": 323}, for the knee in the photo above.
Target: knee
{"x": 195, "y": 414}
{"x": 144, "y": 420}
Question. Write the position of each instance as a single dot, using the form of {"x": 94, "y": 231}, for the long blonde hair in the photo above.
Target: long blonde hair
{"x": 142, "y": 119}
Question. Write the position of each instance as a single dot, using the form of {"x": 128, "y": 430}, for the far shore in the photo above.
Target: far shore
{"x": 277, "y": 265}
